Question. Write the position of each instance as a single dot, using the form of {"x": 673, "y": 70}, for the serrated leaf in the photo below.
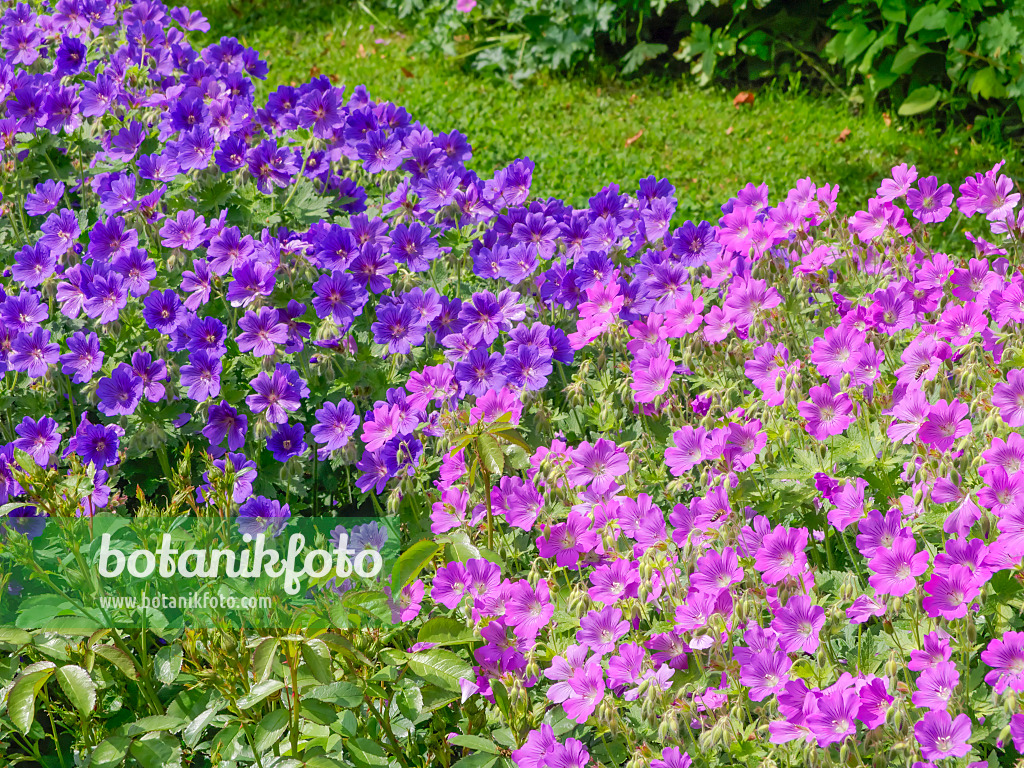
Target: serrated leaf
{"x": 110, "y": 752}
{"x": 259, "y": 692}
{"x": 154, "y": 723}
{"x": 263, "y": 658}
{"x": 472, "y": 741}
{"x": 270, "y": 730}
{"x": 78, "y": 687}
{"x": 156, "y": 750}
{"x": 167, "y": 663}
{"x": 193, "y": 732}
{"x": 341, "y": 694}
{"x": 441, "y": 667}
{"x": 492, "y": 458}
{"x": 412, "y": 561}
{"x": 317, "y": 657}
{"x": 442, "y": 630}
{"x": 124, "y": 663}
{"x": 21, "y": 700}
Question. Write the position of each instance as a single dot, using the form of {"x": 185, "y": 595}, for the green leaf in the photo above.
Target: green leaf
{"x": 986, "y": 84}
{"x": 442, "y": 630}
{"x": 156, "y": 750}
{"x": 906, "y": 56}
{"x": 317, "y": 657}
{"x": 168, "y": 663}
{"x": 341, "y": 694}
{"x": 367, "y": 754}
{"x": 640, "y": 54}
{"x": 270, "y": 730}
{"x": 78, "y": 687}
{"x": 500, "y": 693}
{"x": 477, "y": 743}
{"x": 263, "y": 658}
{"x": 927, "y": 17}
{"x": 259, "y": 692}
{"x": 110, "y": 752}
{"x": 154, "y": 723}
{"x": 21, "y": 700}
{"x": 920, "y": 100}
{"x": 441, "y": 667}
{"x": 412, "y": 561}
{"x": 492, "y": 458}
{"x": 121, "y": 660}
{"x": 194, "y": 730}
{"x": 13, "y": 636}
{"x": 410, "y": 703}
{"x": 461, "y": 548}
{"x": 476, "y": 760}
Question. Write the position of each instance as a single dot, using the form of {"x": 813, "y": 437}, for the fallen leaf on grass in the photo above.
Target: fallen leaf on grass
{"x": 632, "y": 139}
{"x": 728, "y": 131}
{"x": 886, "y": 119}
{"x": 361, "y": 53}
{"x": 406, "y": 72}
{"x": 743, "y": 97}
{"x": 843, "y": 136}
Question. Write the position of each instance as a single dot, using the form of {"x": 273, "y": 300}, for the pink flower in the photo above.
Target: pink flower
{"x": 465, "y": 6}
{"x": 946, "y": 423}
{"x": 895, "y": 570}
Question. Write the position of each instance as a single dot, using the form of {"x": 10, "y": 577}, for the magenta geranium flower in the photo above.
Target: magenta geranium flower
{"x": 949, "y": 595}
{"x": 781, "y": 554}
{"x": 946, "y": 423}
{"x": 1006, "y": 657}
{"x": 835, "y": 718}
{"x": 1008, "y": 397}
{"x": 601, "y": 630}
{"x": 798, "y": 625}
{"x": 598, "y": 465}
{"x": 894, "y": 570}
{"x": 940, "y": 736}
{"x": 935, "y": 687}
{"x": 826, "y": 413}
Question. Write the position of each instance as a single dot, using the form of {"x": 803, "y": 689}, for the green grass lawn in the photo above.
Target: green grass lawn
{"x": 584, "y": 133}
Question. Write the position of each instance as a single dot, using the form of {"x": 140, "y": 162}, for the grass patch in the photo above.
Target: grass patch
{"x": 578, "y": 130}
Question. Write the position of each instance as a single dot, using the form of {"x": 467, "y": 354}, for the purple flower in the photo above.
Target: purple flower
{"x": 827, "y": 413}
{"x": 340, "y": 296}
{"x": 601, "y": 630}
{"x": 262, "y": 515}
{"x": 946, "y": 423}
{"x": 835, "y": 718}
{"x": 930, "y": 203}
{"x": 1006, "y": 657}
{"x": 83, "y": 358}
{"x": 33, "y": 264}
{"x": 186, "y": 230}
{"x": 894, "y": 570}
{"x": 399, "y": 327}
{"x": 97, "y": 444}
{"x": 277, "y": 394}
{"x": 597, "y": 465}
{"x": 45, "y": 198}
{"x": 60, "y": 232}
{"x": 33, "y": 353}
{"x": 40, "y": 439}
{"x": 935, "y": 687}
{"x": 163, "y": 311}
{"x": 287, "y": 441}
{"x": 336, "y": 423}
{"x": 137, "y": 269}
{"x": 695, "y": 244}
{"x": 106, "y": 296}
{"x": 261, "y": 331}
{"x": 940, "y": 736}
{"x": 798, "y": 625}
{"x": 224, "y": 421}
{"x": 201, "y": 375}
{"x": 120, "y": 392}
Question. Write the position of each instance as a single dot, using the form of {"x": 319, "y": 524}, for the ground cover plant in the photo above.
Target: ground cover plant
{"x": 741, "y": 492}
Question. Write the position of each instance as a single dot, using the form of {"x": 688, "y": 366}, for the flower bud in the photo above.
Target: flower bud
{"x": 844, "y": 754}
{"x": 972, "y": 631}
